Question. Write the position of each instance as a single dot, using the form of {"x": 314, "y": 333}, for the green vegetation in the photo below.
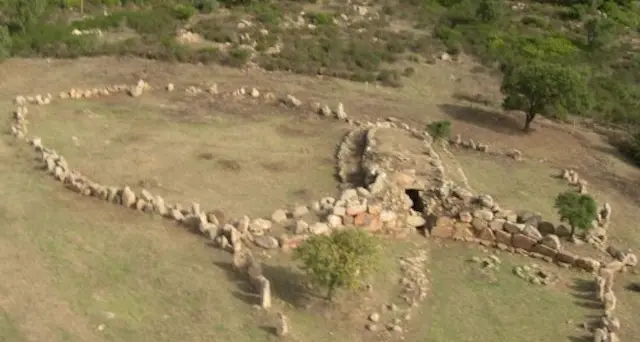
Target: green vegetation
{"x": 534, "y": 87}
{"x": 339, "y": 260}
{"x": 577, "y": 209}
{"x": 440, "y": 130}
{"x": 600, "y": 38}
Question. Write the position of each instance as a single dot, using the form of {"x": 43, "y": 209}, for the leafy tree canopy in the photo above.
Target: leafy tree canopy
{"x": 339, "y": 260}
{"x": 536, "y": 86}
{"x": 579, "y": 210}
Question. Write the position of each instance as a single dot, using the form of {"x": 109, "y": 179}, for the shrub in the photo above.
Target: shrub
{"x": 5, "y": 43}
{"x": 52, "y": 40}
{"x": 440, "y": 130}
{"x": 320, "y": 18}
{"x": 391, "y": 78}
{"x": 339, "y": 260}
{"x": 578, "y": 210}
{"x": 489, "y": 10}
{"x": 630, "y": 147}
{"x": 236, "y": 57}
{"x": 205, "y": 6}
{"x": 266, "y": 13}
{"x": 183, "y": 12}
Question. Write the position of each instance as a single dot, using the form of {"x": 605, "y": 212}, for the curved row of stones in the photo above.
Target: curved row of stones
{"x": 471, "y": 144}
{"x": 380, "y": 202}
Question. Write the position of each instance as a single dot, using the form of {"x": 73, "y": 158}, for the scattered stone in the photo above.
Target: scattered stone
{"x": 300, "y": 211}
{"x": 279, "y": 216}
{"x": 292, "y": 101}
{"x": 319, "y": 228}
{"x": 535, "y": 275}
{"x": 266, "y": 242}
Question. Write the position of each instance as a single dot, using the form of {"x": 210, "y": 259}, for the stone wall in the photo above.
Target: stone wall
{"x": 357, "y": 206}
{"x": 375, "y": 201}
{"x": 470, "y": 144}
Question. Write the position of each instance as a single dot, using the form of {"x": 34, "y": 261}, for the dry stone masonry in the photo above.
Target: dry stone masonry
{"x": 470, "y": 144}
{"x": 384, "y": 189}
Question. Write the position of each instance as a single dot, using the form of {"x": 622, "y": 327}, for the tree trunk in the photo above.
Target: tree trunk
{"x": 528, "y": 120}
{"x": 331, "y": 288}
{"x": 573, "y": 232}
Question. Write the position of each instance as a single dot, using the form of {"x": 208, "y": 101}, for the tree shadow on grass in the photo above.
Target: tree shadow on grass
{"x": 492, "y": 120}
{"x": 585, "y": 293}
{"x": 285, "y": 285}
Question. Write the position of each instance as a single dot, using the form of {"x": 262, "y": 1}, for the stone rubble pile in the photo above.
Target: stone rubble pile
{"x": 414, "y": 284}
{"x": 534, "y": 274}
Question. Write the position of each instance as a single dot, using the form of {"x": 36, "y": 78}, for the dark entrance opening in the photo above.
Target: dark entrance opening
{"x": 414, "y": 195}
{"x": 418, "y": 204}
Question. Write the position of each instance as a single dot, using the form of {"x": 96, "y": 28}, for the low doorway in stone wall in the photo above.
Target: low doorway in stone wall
{"x": 418, "y": 204}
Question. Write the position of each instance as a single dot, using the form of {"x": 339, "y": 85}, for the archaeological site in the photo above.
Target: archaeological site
{"x": 312, "y": 171}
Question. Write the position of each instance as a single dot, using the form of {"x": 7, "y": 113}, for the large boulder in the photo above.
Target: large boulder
{"x": 503, "y": 237}
{"x": 479, "y": 225}
{"x": 587, "y": 264}
{"x": 532, "y": 232}
{"x": 484, "y": 214}
{"x": 552, "y": 241}
{"x": 523, "y": 241}
{"x": 514, "y": 228}
{"x": 497, "y": 224}
{"x": 546, "y": 227}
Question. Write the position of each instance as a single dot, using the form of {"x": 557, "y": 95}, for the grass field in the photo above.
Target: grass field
{"x": 532, "y": 185}
{"x": 188, "y": 150}
{"x": 469, "y": 304}
{"x": 80, "y": 264}
{"x": 79, "y": 270}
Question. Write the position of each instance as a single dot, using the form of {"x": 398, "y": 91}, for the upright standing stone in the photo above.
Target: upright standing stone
{"x": 265, "y": 293}
{"x": 282, "y": 325}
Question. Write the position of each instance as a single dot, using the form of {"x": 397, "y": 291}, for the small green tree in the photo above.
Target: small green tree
{"x": 440, "y": 130}
{"x": 5, "y": 43}
{"x": 577, "y": 209}
{"x": 339, "y": 260}
{"x": 489, "y": 10}
{"x": 536, "y": 86}
{"x": 23, "y": 13}
{"x": 599, "y": 32}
